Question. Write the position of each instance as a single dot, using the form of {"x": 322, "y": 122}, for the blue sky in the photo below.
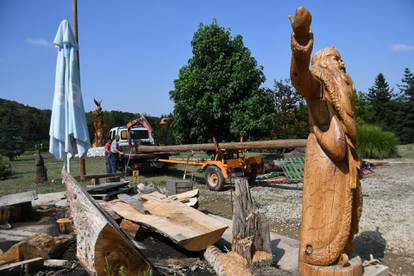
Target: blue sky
{"x": 131, "y": 51}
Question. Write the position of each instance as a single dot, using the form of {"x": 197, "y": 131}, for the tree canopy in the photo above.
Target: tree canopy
{"x": 291, "y": 119}
{"x": 217, "y": 94}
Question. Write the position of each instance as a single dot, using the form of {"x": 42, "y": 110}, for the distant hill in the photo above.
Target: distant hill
{"x": 33, "y": 123}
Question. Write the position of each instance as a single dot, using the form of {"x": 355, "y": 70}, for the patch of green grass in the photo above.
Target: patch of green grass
{"x": 406, "y": 151}
{"x": 24, "y": 172}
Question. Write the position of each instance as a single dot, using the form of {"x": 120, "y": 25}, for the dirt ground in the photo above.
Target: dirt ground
{"x": 387, "y": 223}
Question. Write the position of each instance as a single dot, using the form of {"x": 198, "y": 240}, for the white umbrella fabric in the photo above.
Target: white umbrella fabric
{"x": 68, "y": 128}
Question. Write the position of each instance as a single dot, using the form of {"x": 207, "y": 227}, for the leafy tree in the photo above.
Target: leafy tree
{"x": 217, "y": 93}
{"x": 5, "y": 169}
{"x": 363, "y": 108}
{"x": 406, "y": 110}
{"x": 11, "y": 140}
{"x": 380, "y": 97}
{"x": 291, "y": 112}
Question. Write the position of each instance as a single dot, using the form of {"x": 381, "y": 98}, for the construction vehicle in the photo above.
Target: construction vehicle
{"x": 229, "y": 159}
{"x": 137, "y": 132}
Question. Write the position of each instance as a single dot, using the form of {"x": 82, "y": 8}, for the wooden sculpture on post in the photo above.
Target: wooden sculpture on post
{"x": 98, "y": 124}
{"x": 332, "y": 197}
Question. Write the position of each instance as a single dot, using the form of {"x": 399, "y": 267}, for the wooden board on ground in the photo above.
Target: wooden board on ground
{"x": 16, "y": 207}
{"x": 185, "y": 195}
{"x": 102, "y": 188}
{"x": 40, "y": 245}
{"x": 29, "y": 267}
{"x": 100, "y": 242}
{"x": 111, "y": 194}
{"x": 18, "y": 198}
{"x": 185, "y": 226}
{"x": 134, "y": 202}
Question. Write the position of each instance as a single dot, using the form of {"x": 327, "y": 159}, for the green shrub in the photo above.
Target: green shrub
{"x": 5, "y": 169}
{"x": 373, "y": 142}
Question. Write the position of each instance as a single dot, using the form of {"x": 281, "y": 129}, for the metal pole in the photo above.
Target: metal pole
{"x": 82, "y": 167}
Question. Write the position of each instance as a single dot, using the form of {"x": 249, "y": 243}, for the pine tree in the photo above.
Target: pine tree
{"x": 380, "y": 98}
{"x": 406, "y": 110}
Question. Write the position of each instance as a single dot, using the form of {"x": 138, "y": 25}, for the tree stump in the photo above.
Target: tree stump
{"x": 251, "y": 235}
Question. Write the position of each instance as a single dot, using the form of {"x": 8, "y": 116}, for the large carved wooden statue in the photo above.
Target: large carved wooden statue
{"x": 98, "y": 124}
{"x": 332, "y": 198}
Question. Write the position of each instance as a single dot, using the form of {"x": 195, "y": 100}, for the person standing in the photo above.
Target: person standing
{"x": 114, "y": 154}
{"x": 107, "y": 152}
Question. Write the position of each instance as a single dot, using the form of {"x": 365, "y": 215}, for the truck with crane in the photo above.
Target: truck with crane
{"x": 228, "y": 159}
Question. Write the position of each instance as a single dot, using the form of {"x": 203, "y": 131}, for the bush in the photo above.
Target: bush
{"x": 5, "y": 169}
{"x": 373, "y": 142}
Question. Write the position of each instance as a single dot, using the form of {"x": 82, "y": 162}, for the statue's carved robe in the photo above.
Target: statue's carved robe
{"x": 332, "y": 199}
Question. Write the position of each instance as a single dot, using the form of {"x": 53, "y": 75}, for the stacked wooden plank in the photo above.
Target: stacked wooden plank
{"x": 168, "y": 216}
{"x": 108, "y": 191}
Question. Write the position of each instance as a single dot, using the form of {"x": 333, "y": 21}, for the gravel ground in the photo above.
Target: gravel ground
{"x": 387, "y": 223}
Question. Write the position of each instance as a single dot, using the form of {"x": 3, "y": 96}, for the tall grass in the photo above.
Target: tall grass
{"x": 373, "y": 142}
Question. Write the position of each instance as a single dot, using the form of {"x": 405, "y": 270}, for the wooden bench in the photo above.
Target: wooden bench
{"x": 95, "y": 178}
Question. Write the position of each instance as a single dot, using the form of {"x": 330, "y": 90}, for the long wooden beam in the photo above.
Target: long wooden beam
{"x": 269, "y": 144}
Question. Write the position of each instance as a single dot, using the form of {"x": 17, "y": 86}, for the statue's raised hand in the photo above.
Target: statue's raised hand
{"x": 301, "y": 22}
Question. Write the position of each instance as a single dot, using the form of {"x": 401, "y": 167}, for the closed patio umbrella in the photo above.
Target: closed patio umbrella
{"x": 68, "y": 128}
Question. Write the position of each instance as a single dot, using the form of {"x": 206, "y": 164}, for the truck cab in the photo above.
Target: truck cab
{"x": 139, "y": 135}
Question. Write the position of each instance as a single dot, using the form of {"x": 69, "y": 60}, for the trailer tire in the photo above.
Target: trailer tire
{"x": 214, "y": 178}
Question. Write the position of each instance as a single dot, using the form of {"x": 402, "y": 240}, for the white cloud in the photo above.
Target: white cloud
{"x": 39, "y": 42}
{"x": 402, "y": 47}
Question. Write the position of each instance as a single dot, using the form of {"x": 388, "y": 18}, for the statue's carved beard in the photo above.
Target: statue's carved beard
{"x": 333, "y": 81}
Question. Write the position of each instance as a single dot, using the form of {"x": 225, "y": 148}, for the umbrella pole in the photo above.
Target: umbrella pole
{"x": 82, "y": 165}
{"x": 68, "y": 163}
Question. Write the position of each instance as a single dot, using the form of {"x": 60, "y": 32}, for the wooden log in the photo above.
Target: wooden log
{"x": 64, "y": 225}
{"x": 270, "y": 144}
{"x": 185, "y": 226}
{"x": 229, "y": 264}
{"x": 251, "y": 234}
{"x": 101, "y": 245}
